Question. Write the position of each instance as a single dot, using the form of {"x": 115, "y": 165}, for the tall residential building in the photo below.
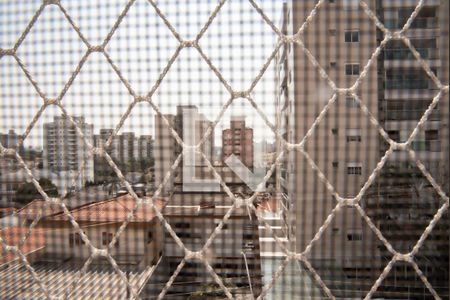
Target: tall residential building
{"x": 238, "y": 140}
{"x": 12, "y": 140}
{"x": 402, "y": 201}
{"x": 101, "y": 138}
{"x": 191, "y": 126}
{"x": 127, "y": 146}
{"x": 65, "y": 151}
{"x": 346, "y": 147}
{"x": 145, "y": 147}
{"x": 164, "y": 152}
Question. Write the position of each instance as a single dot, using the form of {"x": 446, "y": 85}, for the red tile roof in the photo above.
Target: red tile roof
{"x": 31, "y": 210}
{"x": 12, "y": 237}
{"x": 112, "y": 210}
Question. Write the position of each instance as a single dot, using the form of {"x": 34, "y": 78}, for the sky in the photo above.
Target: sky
{"x": 238, "y": 43}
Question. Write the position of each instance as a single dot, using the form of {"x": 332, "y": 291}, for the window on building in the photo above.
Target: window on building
{"x": 107, "y": 239}
{"x": 351, "y": 69}
{"x": 354, "y": 169}
{"x": 334, "y": 131}
{"x": 350, "y": 102}
{"x": 351, "y": 36}
{"x": 149, "y": 237}
{"x": 71, "y": 240}
{"x": 182, "y": 225}
{"x": 355, "y": 236}
{"x": 75, "y": 239}
{"x": 350, "y": 4}
{"x": 184, "y": 234}
{"x": 353, "y": 138}
{"x": 431, "y": 135}
{"x": 353, "y": 135}
{"x": 104, "y": 238}
{"x": 394, "y": 135}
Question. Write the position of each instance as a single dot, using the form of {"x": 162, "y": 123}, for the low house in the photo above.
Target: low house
{"x": 32, "y": 247}
{"x": 35, "y": 208}
{"x": 137, "y": 252}
{"x": 139, "y": 244}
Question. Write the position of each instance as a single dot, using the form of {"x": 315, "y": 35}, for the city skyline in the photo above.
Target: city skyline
{"x": 99, "y": 95}
{"x": 345, "y": 196}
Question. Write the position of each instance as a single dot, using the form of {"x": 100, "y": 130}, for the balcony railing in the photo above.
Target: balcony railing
{"x": 432, "y": 146}
{"x": 402, "y": 115}
{"x": 418, "y": 23}
{"x": 426, "y": 53}
{"x": 418, "y": 84}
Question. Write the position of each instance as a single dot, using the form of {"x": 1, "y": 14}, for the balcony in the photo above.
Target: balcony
{"x": 431, "y": 146}
{"x": 402, "y": 53}
{"x": 418, "y": 23}
{"x": 407, "y": 3}
{"x": 417, "y": 84}
{"x": 408, "y": 115}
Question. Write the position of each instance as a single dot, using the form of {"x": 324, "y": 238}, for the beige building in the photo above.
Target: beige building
{"x": 238, "y": 140}
{"x": 344, "y": 146}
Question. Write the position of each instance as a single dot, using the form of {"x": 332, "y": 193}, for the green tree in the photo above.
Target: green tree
{"x": 27, "y": 192}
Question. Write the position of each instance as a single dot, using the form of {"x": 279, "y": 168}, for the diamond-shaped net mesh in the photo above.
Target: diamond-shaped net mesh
{"x": 33, "y": 281}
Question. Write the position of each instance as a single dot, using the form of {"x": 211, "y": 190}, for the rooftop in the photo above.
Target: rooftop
{"x": 12, "y": 237}
{"x": 112, "y": 210}
{"x": 99, "y": 282}
{"x": 32, "y": 209}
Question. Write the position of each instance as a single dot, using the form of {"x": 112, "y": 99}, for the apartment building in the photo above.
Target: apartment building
{"x": 145, "y": 147}
{"x": 233, "y": 250}
{"x": 164, "y": 150}
{"x": 8, "y": 165}
{"x": 127, "y": 149}
{"x": 346, "y": 147}
{"x": 65, "y": 152}
{"x": 238, "y": 140}
{"x": 402, "y": 202}
{"x": 124, "y": 147}
{"x": 12, "y": 140}
{"x": 191, "y": 126}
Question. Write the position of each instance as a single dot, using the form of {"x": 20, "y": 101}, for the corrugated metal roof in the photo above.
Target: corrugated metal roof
{"x": 99, "y": 282}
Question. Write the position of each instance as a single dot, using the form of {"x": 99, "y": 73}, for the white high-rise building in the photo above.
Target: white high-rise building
{"x": 65, "y": 153}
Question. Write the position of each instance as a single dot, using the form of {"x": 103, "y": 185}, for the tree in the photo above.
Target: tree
{"x": 27, "y": 192}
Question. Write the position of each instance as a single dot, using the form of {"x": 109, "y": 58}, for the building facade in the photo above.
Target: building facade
{"x": 238, "y": 140}
{"x": 66, "y": 152}
{"x": 145, "y": 147}
{"x": 402, "y": 201}
{"x": 191, "y": 126}
{"x": 12, "y": 140}
{"x": 345, "y": 147}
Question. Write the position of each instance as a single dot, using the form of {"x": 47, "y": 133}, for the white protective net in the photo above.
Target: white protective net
{"x": 300, "y": 255}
